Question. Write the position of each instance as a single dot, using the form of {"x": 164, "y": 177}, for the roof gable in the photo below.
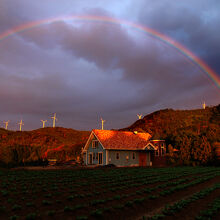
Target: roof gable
{"x": 150, "y": 146}
{"x": 92, "y": 135}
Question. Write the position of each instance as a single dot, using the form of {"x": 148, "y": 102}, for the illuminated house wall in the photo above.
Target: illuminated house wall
{"x": 123, "y": 158}
{"x": 96, "y": 153}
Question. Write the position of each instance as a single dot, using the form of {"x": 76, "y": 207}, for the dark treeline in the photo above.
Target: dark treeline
{"x": 192, "y": 136}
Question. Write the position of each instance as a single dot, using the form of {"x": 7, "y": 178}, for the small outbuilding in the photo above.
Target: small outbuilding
{"x": 123, "y": 148}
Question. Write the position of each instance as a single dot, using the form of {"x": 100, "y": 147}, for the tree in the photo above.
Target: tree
{"x": 202, "y": 151}
{"x": 185, "y": 151}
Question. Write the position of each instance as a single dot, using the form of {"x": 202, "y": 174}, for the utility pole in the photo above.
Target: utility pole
{"x": 102, "y": 123}
{"x": 20, "y": 124}
{"x": 6, "y": 124}
{"x": 54, "y": 120}
{"x": 43, "y": 121}
{"x": 139, "y": 116}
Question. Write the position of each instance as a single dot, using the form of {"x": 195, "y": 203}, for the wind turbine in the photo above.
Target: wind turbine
{"x": 54, "y": 120}
{"x": 6, "y": 124}
{"x": 139, "y": 116}
{"x": 203, "y": 105}
{"x": 44, "y": 121}
{"x": 102, "y": 123}
{"x": 20, "y": 124}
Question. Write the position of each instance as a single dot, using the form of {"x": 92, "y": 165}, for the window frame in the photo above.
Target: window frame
{"x": 95, "y": 144}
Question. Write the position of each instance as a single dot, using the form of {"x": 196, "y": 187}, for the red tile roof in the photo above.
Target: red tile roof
{"x": 123, "y": 140}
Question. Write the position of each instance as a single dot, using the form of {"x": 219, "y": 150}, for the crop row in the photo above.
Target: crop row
{"x": 178, "y": 206}
{"x": 91, "y": 176}
{"x": 209, "y": 213}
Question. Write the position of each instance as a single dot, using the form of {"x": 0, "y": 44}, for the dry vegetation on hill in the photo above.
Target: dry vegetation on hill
{"x": 33, "y": 146}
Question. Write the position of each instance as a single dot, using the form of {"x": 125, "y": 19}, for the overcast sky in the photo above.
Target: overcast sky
{"x": 85, "y": 70}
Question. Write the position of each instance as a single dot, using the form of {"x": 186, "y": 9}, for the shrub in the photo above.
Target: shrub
{"x": 81, "y": 218}
{"x": 153, "y": 197}
{"x": 31, "y": 216}
{"x": 14, "y": 217}
{"x": 51, "y": 213}
{"x": 96, "y": 213}
{"x": 2, "y": 209}
{"x": 67, "y": 209}
{"x": 29, "y": 204}
{"x": 16, "y": 207}
{"x": 46, "y": 202}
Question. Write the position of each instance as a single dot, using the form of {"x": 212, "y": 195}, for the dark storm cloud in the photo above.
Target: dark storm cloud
{"x": 87, "y": 70}
{"x": 192, "y": 23}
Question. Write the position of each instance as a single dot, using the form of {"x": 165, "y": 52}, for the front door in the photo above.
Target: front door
{"x": 100, "y": 158}
{"x": 142, "y": 159}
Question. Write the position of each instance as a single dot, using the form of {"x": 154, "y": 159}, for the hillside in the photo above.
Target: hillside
{"x": 27, "y": 146}
{"x": 195, "y": 133}
{"x": 169, "y": 123}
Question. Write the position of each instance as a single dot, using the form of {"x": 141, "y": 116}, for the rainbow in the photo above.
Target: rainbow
{"x": 183, "y": 50}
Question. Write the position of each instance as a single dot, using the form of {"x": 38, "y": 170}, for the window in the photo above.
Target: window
{"x": 93, "y": 156}
{"x": 96, "y": 156}
{"x": 133, "y": 156}
{"x": 117, "y": 156}
{"x": 95, "y": 144}
{"x": 163, "y": 150}
{"x": 100, "y": 158}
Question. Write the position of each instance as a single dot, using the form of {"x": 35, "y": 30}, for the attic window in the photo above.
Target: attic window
{"x": 95, "y": 144}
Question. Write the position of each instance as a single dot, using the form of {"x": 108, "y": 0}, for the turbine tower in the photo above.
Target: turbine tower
{"x": 102, "y": 123}
{"x": 43, "y": 121}
{"x": 6, "y": 124}
{"x": 203, "y": 105}
{"x": 20, "y": 124}
{"x": 54, "y": 120}
{"x": 139, "y": 116}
